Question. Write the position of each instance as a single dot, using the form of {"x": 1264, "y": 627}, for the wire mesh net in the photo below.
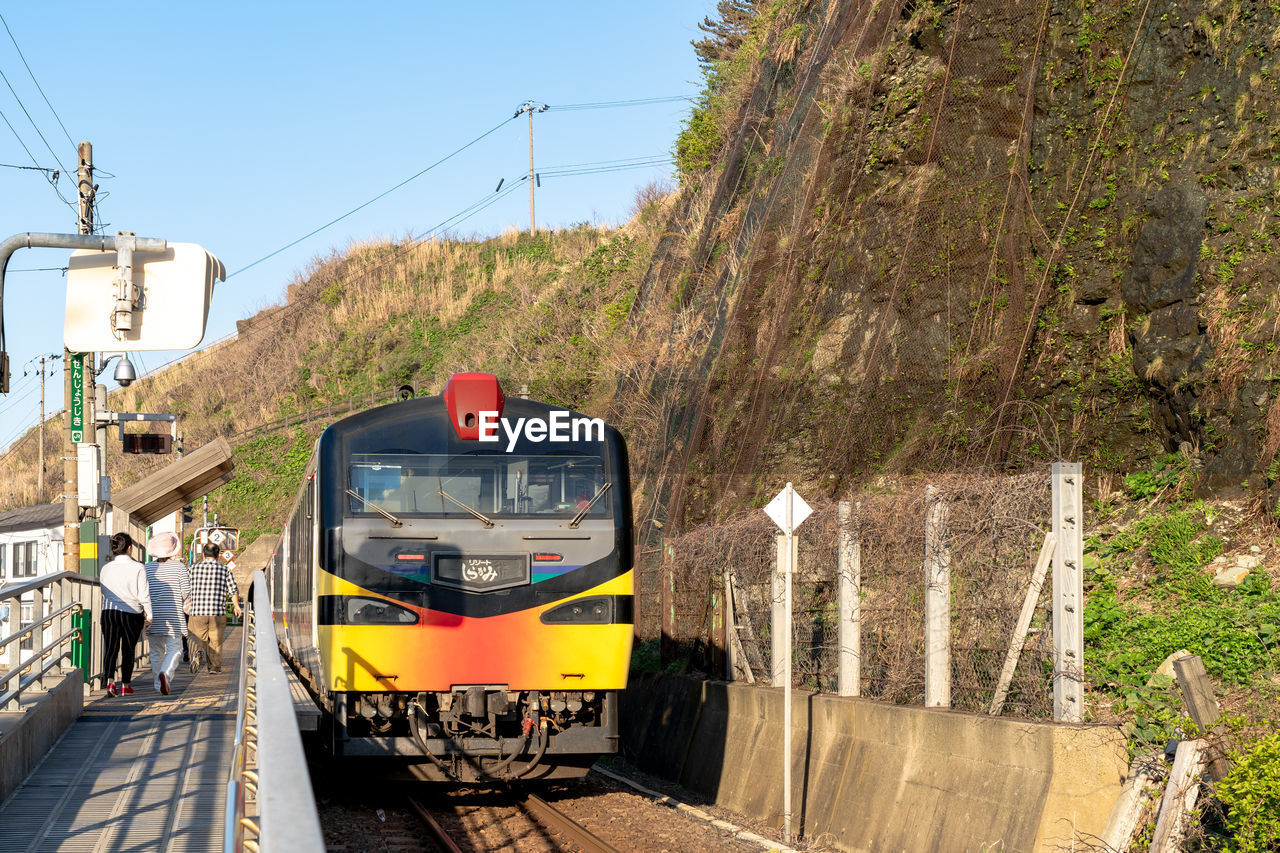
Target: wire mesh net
{"x": 709, "y": 596}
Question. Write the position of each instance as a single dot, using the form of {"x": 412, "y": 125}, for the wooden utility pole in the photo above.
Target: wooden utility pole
{"x": 71, "y": 499}
{"x": 531, "y": 108}
{"x": 532, "y": 177}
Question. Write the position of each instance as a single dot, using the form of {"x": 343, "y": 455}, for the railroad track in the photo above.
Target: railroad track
{"x": 556, "y": 827}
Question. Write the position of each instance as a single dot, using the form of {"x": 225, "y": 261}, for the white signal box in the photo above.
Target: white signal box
{"x": 171, "y": 294}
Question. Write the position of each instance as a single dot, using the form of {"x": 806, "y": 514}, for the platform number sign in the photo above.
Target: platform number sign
{"x": 77, "y": 398}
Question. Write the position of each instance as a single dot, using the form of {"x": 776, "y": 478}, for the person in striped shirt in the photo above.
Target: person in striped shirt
{"x": 211, "y": 585}
{"x": 170, "y": 586}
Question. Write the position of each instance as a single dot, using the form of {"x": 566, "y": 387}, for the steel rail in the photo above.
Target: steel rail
{"x": 557, "y": 821}
{"x": 437, "y": 831}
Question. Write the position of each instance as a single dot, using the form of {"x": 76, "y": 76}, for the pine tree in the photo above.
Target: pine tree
{"x": 726, "y": 33}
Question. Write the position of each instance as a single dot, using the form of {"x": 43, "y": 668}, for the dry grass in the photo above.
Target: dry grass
{"x": 347, "y": 314}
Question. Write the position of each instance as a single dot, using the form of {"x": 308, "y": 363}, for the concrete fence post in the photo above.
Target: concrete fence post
{"x": 667, "y": 600}
{"x": 1068, "y": 593}
{"x": 937, "y": 603}
{"x": 849, "y": 629}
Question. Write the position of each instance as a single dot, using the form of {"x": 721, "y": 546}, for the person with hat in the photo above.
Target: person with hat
{"x": 170, "y": 587}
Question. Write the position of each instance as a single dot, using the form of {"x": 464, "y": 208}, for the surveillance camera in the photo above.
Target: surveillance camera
{"x": 125, "y": 373}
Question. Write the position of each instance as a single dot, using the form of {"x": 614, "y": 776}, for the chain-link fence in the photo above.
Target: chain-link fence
{"x": 710, "y": 597}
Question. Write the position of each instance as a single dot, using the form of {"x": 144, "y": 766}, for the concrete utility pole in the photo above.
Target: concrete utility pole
{"x": 70, "y": 487}
{"x": 40, "y": 477}
{"x": 530, "y": 107}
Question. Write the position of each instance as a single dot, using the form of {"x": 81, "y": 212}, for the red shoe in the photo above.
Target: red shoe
{"x": 112, "y": 690}
{"x": 164, "y": 684}
{"x": 126, "y": 690}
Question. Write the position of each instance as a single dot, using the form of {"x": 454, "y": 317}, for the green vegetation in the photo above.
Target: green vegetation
{"x": 1149, "y": 593}
{"x": 1250, "y": 796}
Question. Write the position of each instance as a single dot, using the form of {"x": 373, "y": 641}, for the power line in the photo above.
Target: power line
{"x": 44, "y": 169}
{"x": 37, "y": 82}
{"x": 562, "y": 173}
{"x": 50, "y": 174}
{"x": 545, "y": 169}
{"x": 636, "y": 102}
{"x": 288, "y": 311}
{"x": 27, "y": 113}
{"x": 19, "y": 138}
{"x": 338, "y": 219}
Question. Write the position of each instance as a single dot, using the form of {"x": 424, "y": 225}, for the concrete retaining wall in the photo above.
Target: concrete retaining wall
{"x": 27, "y": 735}
{"x": 873, "y": 776}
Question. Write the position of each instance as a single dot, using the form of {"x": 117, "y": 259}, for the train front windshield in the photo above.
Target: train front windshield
{"x": 497, "y": 485}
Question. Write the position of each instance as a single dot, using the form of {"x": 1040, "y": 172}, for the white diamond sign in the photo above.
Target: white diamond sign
{"x": 778, "y": 509}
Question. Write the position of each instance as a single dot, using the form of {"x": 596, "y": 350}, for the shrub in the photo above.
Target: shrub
{"x": 1250, "y": 794}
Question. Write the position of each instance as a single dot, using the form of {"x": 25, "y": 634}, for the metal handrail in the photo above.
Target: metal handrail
{"x": 286, "y": 820}
{"x": 34, "y": 626}
{"x": 69, "y": 593}
{"x": 17, "y": 590}
{"x": 23, "y": 683}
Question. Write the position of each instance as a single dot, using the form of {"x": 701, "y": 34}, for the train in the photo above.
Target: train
{"x": 454, "y": 585}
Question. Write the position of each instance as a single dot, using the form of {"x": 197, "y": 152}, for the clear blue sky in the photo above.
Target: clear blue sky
{"x": 244, "y": 126}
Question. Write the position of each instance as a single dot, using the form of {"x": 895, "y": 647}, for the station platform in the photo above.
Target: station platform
{"x": 145, "y": 772}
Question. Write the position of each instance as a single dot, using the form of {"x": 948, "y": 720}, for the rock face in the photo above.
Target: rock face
{"x": 1160, "y": 286}
{"x": 941, "y": 230}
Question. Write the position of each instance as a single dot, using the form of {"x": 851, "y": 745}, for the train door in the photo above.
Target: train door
{"x": 313, "y": 548}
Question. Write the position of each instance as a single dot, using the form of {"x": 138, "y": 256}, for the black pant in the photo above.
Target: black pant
{"x": 120, "y": 632}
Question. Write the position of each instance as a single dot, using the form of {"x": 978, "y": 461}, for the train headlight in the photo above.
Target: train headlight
{"x": 375, "y": 611}
{"x": 593, "y": 610}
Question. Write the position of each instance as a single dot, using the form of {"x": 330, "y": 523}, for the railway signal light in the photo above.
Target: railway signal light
{"x": 147, "y": 442}
{"x": 188, "y": 514}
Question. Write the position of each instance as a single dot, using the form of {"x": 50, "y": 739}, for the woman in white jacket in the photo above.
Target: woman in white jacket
{"x": 126, "y": 607}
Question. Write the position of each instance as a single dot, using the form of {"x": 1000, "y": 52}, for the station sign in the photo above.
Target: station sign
{"x": 77, "y": 397}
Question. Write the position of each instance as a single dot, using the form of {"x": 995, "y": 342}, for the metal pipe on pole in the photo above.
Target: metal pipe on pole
{"x": 786, "y": 669}
{"x": 788, "y": 510}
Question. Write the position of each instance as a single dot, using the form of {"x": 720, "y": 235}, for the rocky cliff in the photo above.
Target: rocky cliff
{"x": 969, "y": 234}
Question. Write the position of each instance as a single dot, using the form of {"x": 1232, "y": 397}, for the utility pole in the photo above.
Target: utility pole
{"x": 530, "y": 107}
{"x": 70, "y": 458}
{"x": 40, "y": 473}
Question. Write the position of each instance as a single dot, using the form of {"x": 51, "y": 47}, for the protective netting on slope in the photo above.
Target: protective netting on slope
{"x": 993, "y": 529}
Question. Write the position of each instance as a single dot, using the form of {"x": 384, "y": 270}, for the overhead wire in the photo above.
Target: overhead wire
{"x": 34, "y": 126}
{"x": 50, "y": 174}
{"x": 382, "y": 194}
{"x": 457, "y": 218}
{"x": 607, "y": 162}
{"x": 293, "y": 308}
{"x": 606, "y": 105}
{"x": 39, "y": 88}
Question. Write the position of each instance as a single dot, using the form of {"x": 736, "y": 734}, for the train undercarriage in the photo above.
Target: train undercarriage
{"x": 476, "y": 732}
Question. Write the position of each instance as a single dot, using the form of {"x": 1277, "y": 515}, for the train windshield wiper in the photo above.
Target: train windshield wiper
{"x": 477, "y": 513}
{"x": 395, "y": 522}
{"x": 577, "y": 519}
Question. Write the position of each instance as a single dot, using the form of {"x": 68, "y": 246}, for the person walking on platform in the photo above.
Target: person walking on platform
{"x": 211, "y": 585}
{"x": 126, "y": 608}
{"x": 170, "y": 585}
